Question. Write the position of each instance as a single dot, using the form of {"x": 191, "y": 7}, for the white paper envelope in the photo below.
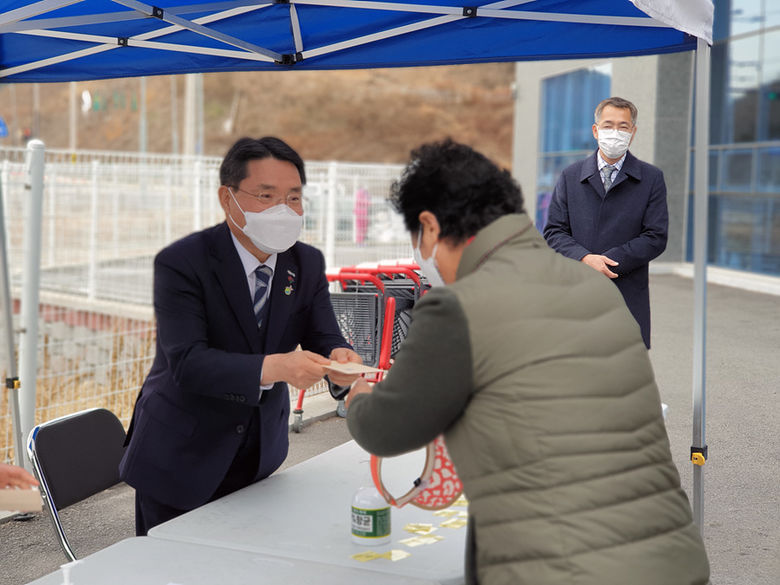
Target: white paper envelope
{"x": 351, "y": 368}
{"x": 15, "y": 500}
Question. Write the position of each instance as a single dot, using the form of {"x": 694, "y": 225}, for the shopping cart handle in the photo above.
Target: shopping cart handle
{"x": 343, "y": 277}
{"x": 400, "y": 270}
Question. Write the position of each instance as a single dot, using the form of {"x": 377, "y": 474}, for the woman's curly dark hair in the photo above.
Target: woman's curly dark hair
{"x": 460, "y": 186}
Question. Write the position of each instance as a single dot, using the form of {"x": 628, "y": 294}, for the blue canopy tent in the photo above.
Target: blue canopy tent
{"x": 73, "y": 40}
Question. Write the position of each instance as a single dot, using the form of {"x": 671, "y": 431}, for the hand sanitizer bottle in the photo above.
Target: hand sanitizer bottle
{"x": 370, "y": 517}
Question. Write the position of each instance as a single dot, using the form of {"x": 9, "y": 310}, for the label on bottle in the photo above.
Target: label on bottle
{"x": 370, "y": 523}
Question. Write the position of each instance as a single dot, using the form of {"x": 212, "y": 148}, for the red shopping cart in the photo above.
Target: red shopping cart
{"x": 365, "y": 315}
{"x": 403, "y": 283}
{"x": 438, "y": 485}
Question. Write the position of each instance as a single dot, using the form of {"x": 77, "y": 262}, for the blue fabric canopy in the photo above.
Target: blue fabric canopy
{"x": 71, "y": 40}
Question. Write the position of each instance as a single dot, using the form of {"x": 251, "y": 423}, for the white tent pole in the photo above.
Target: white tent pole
{"x": 700, "y": 219}
{"x": 12, "y": 381}
{"x": 31, "y": 277}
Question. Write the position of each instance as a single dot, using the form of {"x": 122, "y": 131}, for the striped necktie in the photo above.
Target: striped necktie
{"x": 263, "y": 276}
{"x": 606, "y": 172}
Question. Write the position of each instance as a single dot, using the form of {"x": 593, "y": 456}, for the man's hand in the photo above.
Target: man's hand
{"x": 358, "y": 387}
{"x": 600, "y": 263}
{"x": 12, "y": 476}
{"x": 343, "y": 355}
{"x": 298, "y": 368}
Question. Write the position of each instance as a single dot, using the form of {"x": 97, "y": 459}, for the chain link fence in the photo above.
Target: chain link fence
{"x": 105, "y": 216}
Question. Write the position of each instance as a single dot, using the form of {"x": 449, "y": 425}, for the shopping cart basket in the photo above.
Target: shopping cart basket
{"x": 404, "y": 284}
{"x": 365, "y": 315}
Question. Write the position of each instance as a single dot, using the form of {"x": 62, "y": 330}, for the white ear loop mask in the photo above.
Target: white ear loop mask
{"x": 428, "y": 266}
{"x": 274, "y": 230}
{"x": 614, "y": 143}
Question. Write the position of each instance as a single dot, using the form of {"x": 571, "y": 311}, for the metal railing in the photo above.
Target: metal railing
{"x": 105, "y": 216}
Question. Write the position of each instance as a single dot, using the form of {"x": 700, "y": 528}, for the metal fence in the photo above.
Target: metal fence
{"x": 105, "y": 217}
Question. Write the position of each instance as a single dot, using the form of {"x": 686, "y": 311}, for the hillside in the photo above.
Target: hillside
{"x": 362, "y": 115}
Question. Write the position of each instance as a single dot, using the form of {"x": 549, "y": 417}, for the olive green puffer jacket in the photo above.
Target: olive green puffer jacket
{"x": 535, "y": 371}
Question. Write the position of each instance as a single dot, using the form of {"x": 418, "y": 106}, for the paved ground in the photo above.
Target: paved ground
{"x": 742, "y": 491}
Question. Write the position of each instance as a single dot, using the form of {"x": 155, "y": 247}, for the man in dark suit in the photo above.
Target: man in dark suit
{"x": 232, "y": 303}
{"x": 609, "y": 210}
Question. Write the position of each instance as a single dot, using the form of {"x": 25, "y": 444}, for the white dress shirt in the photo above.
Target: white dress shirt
{"x": 250, "y": 264}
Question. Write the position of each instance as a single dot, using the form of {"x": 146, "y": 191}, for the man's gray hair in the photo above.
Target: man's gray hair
{"x": 616, "y": 102}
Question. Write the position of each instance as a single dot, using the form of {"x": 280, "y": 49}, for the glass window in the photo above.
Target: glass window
{"x": 771, "y": 14}
{"x": 746, "y": 16}
{"x": 744, "y": 179}
{"x": 769, "y": 170}
{"x": 569, "y": 101}
{"x": 714, "y": 179}
{"x": 744, "y": 233}
{"x": 769, "y": 103}
{"x": 737, "y": 171}
{"x": 714, "y": 170}
{"x": 742, "y": 93}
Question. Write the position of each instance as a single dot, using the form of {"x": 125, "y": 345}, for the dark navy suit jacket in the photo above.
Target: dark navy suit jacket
{"x": 628, "y": 224}
{"x": 200, "y": 394}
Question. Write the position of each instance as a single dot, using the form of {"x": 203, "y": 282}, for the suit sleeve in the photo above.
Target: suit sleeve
{"x": 557, "y": 231}
{"x": 651, "y": 240}
{"x": 322, "y": 333}
{"x": 182, "y": 335}
{"x": 428, "y": 386}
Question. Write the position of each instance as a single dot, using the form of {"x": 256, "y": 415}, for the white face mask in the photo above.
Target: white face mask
{"x": 272, "y": 231}
{"x": 614, "y": 143}
{"x": 428, "y": 266}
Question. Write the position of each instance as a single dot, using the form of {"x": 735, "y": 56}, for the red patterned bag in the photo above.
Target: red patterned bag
{"x": 437, "y": 487}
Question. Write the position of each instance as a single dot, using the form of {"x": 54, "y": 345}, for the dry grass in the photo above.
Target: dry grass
{"x": 74, "y": 375}
{"x": 375, "y": 115}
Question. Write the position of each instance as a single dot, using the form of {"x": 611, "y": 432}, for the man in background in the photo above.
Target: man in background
{"x": 609, "y": 210}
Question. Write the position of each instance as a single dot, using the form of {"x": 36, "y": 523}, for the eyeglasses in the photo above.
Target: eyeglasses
{"x": 621, "y": 127}
{"x": 292, "y": 200}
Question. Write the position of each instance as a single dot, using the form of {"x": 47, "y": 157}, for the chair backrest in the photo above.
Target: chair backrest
{"x": 75, "y": 457}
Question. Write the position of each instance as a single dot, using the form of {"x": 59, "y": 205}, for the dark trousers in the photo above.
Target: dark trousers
{"x": 149, "y": 512}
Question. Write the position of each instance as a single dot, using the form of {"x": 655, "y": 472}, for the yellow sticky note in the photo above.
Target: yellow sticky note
{"x": 454, "y": 523}
{"x": 446, "y": 513}
{"x": 419, "y": 528}
{"x": 421, "y": 540}
{"x": 366, "y": 556}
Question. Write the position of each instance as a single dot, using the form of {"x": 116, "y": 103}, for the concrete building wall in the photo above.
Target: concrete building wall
{"x": 672, "y": 153}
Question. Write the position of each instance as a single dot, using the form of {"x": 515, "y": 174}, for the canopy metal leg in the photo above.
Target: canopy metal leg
{"x": 701, "y": 200}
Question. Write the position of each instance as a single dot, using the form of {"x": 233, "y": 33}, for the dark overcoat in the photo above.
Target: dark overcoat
{"x": 628, "y": 224}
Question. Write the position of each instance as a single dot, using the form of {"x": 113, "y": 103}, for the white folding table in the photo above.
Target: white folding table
{"x": 151, "y": 561}
{"x": 303, "y": 513}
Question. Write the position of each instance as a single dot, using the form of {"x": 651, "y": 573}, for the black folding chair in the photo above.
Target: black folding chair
{"x": 75, "y": 457}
